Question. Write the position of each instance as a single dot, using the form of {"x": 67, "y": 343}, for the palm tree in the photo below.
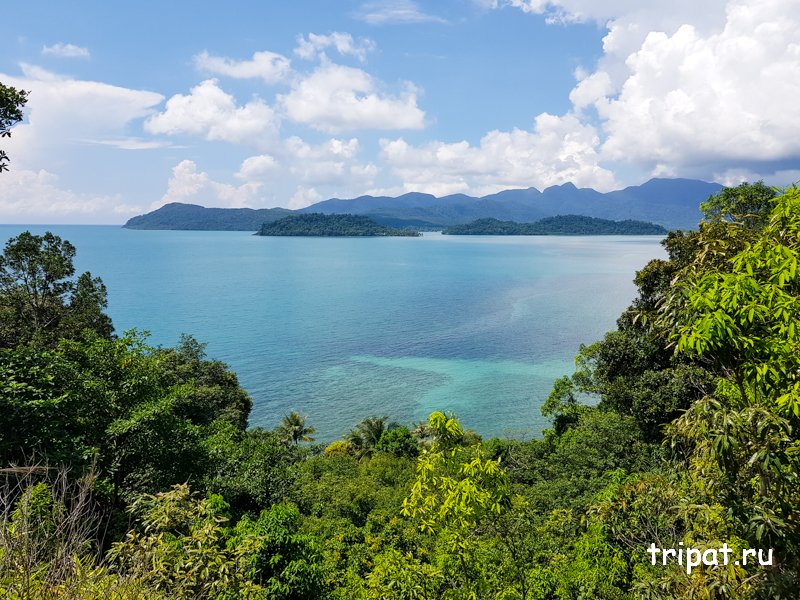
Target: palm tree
{"x": 366, "y": 435}
{"x": 293, "y": 429}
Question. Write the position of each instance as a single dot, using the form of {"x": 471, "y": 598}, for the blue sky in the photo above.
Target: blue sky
{"x": 284, "y": 104}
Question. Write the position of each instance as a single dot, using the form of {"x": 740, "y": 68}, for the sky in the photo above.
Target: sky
{"x": 263, "y": 104}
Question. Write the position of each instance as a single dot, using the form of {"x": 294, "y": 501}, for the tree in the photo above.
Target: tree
{"x": 365, "y": 436}
{"x": 37, "y": 413}
{"x": 398, "y": 441}
{"x": 215, "y": 394}
{"x": 456, "y": 491}
{"x": 39, "y": 300}
{"x": 283, "y": 561}
{"x": 145, "y": 422}
{"x": 252, "y": 469}
{"x": 744, "y": 318}
{"x": 747, "y": 203}
{"x": 11, "y": 102}
{"x": 293, "y": 429}
{"x": 182, "y": 548}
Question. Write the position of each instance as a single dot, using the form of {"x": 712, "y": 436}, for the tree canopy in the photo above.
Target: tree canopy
{"x": 12, "y": 101}
{"x": 40, "y": 301}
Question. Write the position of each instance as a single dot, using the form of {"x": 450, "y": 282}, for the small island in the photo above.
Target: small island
{"x": 558, "y": 225}
{"x": 321, "y": 225}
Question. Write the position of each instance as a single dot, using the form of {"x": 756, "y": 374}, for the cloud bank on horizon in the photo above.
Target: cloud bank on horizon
{"x": 389, "y": 106}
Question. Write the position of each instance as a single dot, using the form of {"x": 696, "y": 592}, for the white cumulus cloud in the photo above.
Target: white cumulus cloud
{"x": 335, "y": 98}
{"x": 303, "y": 197}
{"x": 691, "y": 99}
{"x": 28, "y": 196}
{"x": 557, "y": 150}
{"x": 334, "y": 162}
{"x": 62, "y": 111}
{"x": 650, "y": 15}
{"x": 189, "y": 185}
{"x": 329, "y": 163}
{"x": 258, "y": 167}
{"x": 210, "y": 112}
{"x": 687, "y": 92}
{"x": 268, "y": 66}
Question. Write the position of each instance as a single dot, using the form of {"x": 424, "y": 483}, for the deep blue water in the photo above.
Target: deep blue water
{"x": 343, "y": 328}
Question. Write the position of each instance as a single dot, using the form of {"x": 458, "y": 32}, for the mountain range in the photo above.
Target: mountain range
{"x": 671, "y": 203}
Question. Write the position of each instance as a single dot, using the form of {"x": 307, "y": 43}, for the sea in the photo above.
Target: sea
{"x": 340, "y": 329}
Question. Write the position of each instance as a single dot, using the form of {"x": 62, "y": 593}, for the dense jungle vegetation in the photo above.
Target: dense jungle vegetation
{"x": 317, "y": 224}
{"x": 130, "y": 472}
{"x": 558, "y": 225}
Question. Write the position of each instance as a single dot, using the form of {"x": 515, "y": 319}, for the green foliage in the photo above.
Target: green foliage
{"x": 455, "y": 488}
{"x": 365, "y": 436}
{"x": 746, "y": 316}
{"x": 562, "y": 405}
{"x": 293, "y": 429}
{"x": 339, "y": 448}
{"x": 353, "y": 507}
{"x": 595, "y": 569}
{"x": 635, "y": 374}
{"x": 568, "y": 470}
{"x": 748, "y": 204}
{"x": 399, "y": 442}
{"x": 634, "y": 369}
{"x": 12, "y": 101}
{"x": 38, "y": 413}
{"x": 48, "y": 540}
{"x": 341, "y": 488}
{"x": 39, "y": 302}
{"x": 141, "y": 415}
{"x": 558, "y": 225}
{"x": 182, "y": 548}
{"x": 727, "y": 301}
{"x": 318, "y": 224}
{"x": 745, "y": 319}
{"x": 252, "y": 469}
{"x": 402, "y": 577}
{"x": 283, "y": 561}
{"x": 214, "y": 392}
{"x": 456, "y": 491}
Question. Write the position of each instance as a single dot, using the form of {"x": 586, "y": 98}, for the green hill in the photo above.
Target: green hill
{"x": 319, "y": 225}
{"x": 193, "y": 217}
{"x": 558, "y": 225}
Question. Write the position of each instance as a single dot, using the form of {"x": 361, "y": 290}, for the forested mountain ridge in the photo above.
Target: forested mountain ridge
{"x": 671, "y": 203}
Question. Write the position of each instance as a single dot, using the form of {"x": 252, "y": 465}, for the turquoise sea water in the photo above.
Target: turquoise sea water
{"x": 343, "y": 328}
